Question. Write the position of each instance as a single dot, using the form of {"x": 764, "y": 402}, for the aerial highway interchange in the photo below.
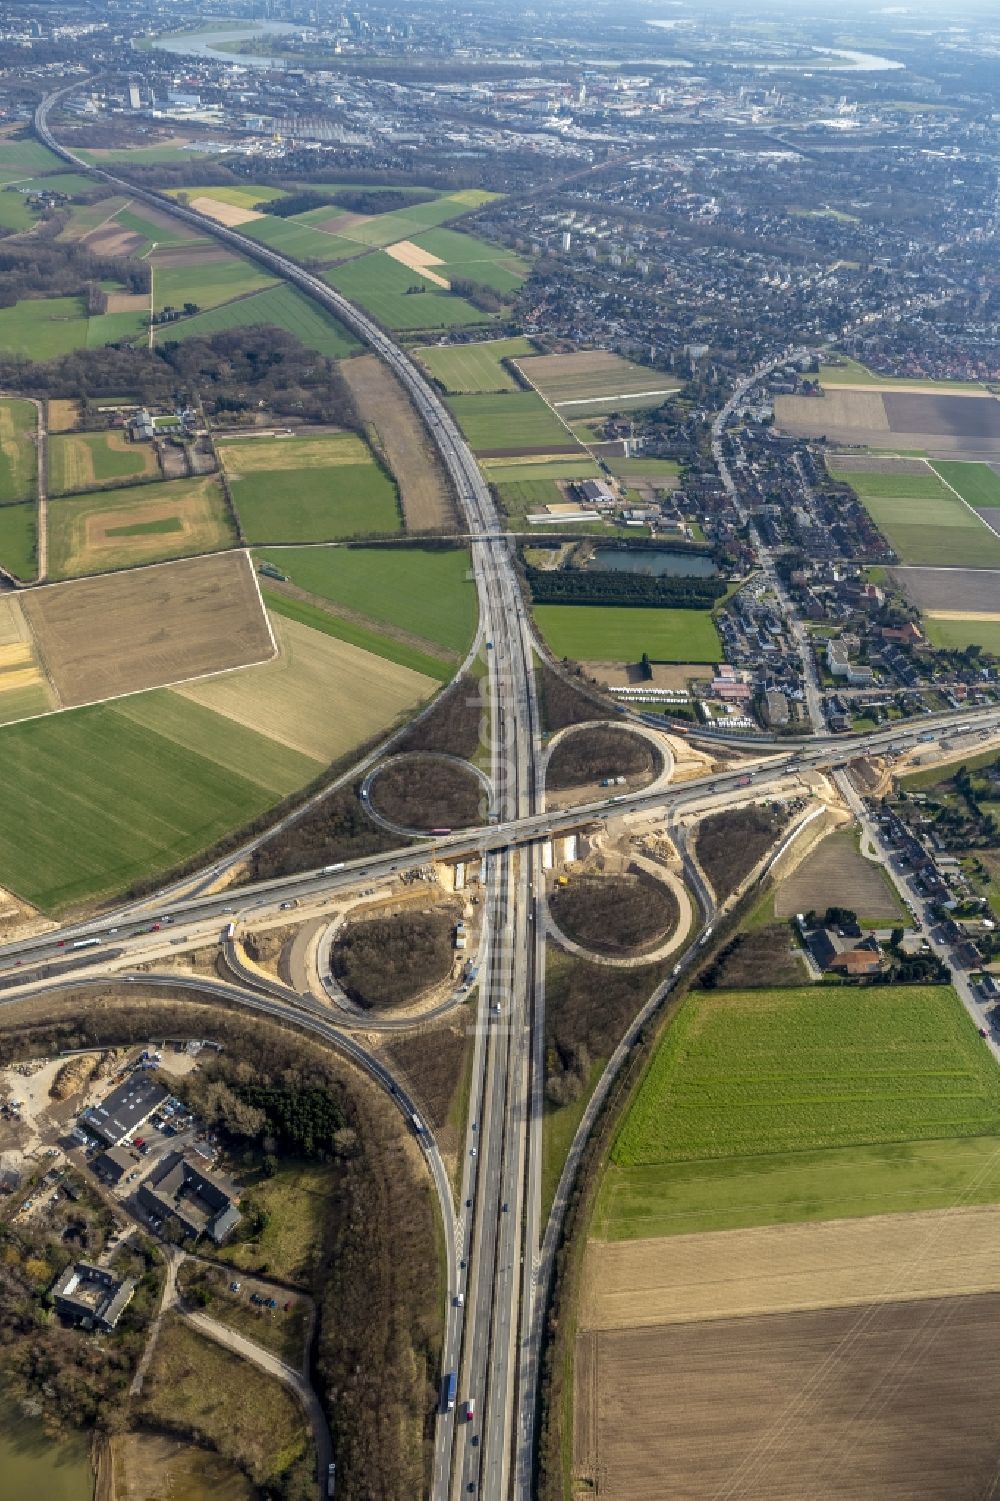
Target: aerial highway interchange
{"x": 496, "y": 1269}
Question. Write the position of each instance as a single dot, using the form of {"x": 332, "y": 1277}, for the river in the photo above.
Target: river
{"x": 210, "y": 44}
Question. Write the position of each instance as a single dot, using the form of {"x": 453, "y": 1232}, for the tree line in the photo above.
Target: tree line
{"x": 585, "y": 586}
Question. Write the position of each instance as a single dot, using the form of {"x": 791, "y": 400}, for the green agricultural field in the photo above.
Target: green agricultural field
{"x": 15, "y": 213}
{"x": 27, "y": 156}
{"x": 976, "y": 483}
{"x": 621, "y": 633}
{"x": 135, "y": 524}
{"x": 167, "y": 231}
{"x": 317, "y": 489}
{"x": 473, "y": 368}
{"x": 518, "y": 497}
{"x": 646, "y": 469}
{"x": 956, "y": 635}
{"x": 512, "y": 471}
{"x": 851, "y": 373}
{"x": 388, "y": 229}
{"x": 19, "y": 539}
{"x": 62, "y": 182}
{"x": 18, "y": 462}
{"x": 319, "y": 619}
{"x": 465, "y": 258}
{"x": 207, "y": 285}
{"x": 683, "y": 1198}
{"x": 275, "y": 768}
{"x": 77, "y": 460}
{"x": 512, "y": 421}
{"x": 744, "y": 1073}
{"x": 41, "y": 328}
{"x": 240, "y": 197}
{"x": 895, "y": 486}
{"x": 764, "y": 1107}
{"x": 384, "y": 288}
{"x": 426, "y": 591}
{"x": 130, "y": 803}
{"x": 941, "y": 532}
{"x": 305, "y": 242}
{"x": 84, "y": 217}
{"x": 283, "y": 307}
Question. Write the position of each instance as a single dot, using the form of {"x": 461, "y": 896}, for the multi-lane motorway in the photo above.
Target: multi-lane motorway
{"x": 494, "y": 1240}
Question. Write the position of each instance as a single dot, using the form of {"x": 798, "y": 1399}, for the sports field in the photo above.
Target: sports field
{"x": 314, "y": 489}
{"x": 137, "y": 524}
{"x": 204, "y": 281}
{"x": 79, "y": 461}
{"x": 17, "y": 450}
{"x": 473, "y": 368}
{"x": 621, "y": 633}
{"x": 130, "y": 802}
{"x": 19, "y": 539}
{"x": 420, "y": 590}
{"x": 147, "y": 627}
{"x": 278, "y": 307}
{"x": 511, "y": 423}
{"x": 362, "y": 694}
{"x": 401, "y": 299}
{"x": 742, "y": 1073}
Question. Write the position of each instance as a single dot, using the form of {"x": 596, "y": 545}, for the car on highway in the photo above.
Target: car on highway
{"x": 470, "y": 1409}
{"x": 473, "y": 1152}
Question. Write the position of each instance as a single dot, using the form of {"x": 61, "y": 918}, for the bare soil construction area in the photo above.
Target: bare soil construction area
{"x": 970, "y": 591}
{"x": 151, "y": 626}
{"x": 382, "y": 403}
{"x": 681, "y": 1279}
{"x": 888, "y": 1402}
{"x": 836, "y": 874}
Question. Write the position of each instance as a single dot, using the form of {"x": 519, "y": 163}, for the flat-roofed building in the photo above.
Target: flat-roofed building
{"x": 125, "y": 1109}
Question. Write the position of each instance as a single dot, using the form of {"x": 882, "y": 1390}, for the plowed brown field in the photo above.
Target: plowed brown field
{"x": 150, "y": 626}
{"x": 886, "y": 1402}
{"x": 775, "y": 1268}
